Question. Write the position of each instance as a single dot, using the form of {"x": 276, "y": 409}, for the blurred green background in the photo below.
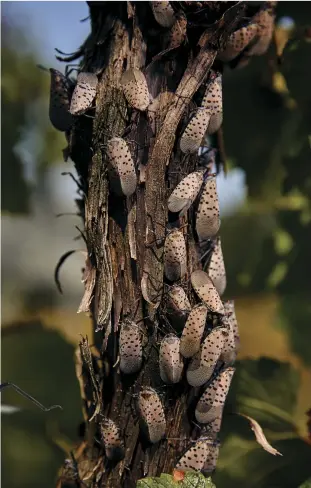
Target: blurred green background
{"x": 266, "y": 234}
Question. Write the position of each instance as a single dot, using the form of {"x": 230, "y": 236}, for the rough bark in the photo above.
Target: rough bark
{"x": 125, "y": 236}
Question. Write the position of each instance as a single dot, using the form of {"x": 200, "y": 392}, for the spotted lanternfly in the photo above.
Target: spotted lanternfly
{"x": 211, "y": 461}
{"x": 214, "y": 426}
{"x": 175, "y": 255}
{"x": 59, "y": 114}
{"x": 216, "y": 269}
{"x": 238, "y": 41}
{"x": 207, "y": 217}
{"x": 228, "y": 353}
{"x": 233, "y": 323}
{"x": 212, "y": 102}
{"x": 84, "y": 93}
{"x": 212, "y": 347}
{"x": 185, "y": 193}
{"x": 265, "y": 26}
{"x": 198, "y": 374}
{"x": 193, "y": 135}
{"x": 195, "y": 458}
{"x": 131, "y": 353}
{"x": 206, "y": 291}
{"x": 170, "y": 361}
{"x": 178, "y": 32}
{"x": 135, "y": 89}
{"x": 111, "y": 437}
{"x": 163, "y": 13}
{"x": 178, "y": 299}
{"x": 211, "y": 403}
{"x": 193, "y": 331}
{"x": 122, "y": 169}
{"x": 152, "y": 414}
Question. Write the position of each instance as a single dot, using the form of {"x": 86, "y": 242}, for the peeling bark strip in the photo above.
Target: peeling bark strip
{"x": 156, "y": 211}
{"x": 165, "y": 339}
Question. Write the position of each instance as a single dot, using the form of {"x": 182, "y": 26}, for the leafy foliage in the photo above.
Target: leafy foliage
{"x": 191, "y": 480}
{"x": 267, "y": 391}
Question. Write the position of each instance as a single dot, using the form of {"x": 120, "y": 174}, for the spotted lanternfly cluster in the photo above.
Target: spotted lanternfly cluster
{"x": 185, "y": 193}
{"x": 211, "y": 403}
{"x": 175, "y": 255}
{"x": 163, "y": 13}
{"x": 194, "y": 132}
{"x": 193, "y": 331}
{"x": 84, "y": 93}
{"x": 170, "y": 361}
{"x": 60, "y": 95}
{"x": 207, "y": 217}
{"x": 216, "y": 269}
{"x": 238, "y": 41}
{"x": 207, "y": 292}
{"x": 121, "y": 167}
{"x": 130, "y": 347}
{"x": 112, "y": 440}
{"x": 152, "y": 414}
{"x": 135, "y": 89}
{"x": 201, "y": 455}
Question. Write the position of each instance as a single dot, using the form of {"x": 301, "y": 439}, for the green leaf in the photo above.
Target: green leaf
{"x": 191, "y": 480}
{"x": 266, "y": 390}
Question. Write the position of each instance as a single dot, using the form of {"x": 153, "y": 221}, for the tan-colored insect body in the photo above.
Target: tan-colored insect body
{"x": 212, "y": 347}
{"x": 207, "y": 217}
{"x": 178, "y": 32}
{"x": 185, "y": 193}
{"x": 206, "y": 291}
{"x": 130, "y": 345}
{"x": 84, "y": 93}
{"x": 178, "y": 300}
{"x": 238, "y": 41}
{"x": 170, "y": 360}
{"x": 192, "y": 333}
{"x": 151, "y": 414}
{"x": 211, "y": 403}
{"x": 216, "y": 269}
{"x": 265, "y": 22}
{"x": 122, "y": 172}
{"x": 198, "y": 374}
{"x": 163, "y": 13}
{"x": 196, "y": 457}
{"x": 111, "y": 437}
{"x": 59, "y": 114}
{"x": 194, "y": 132}
{"x": 212, "y": 102}
{"x": 233, "y": 323}
{"x": 175, "y": 255}
{"x": 135, "y": 89}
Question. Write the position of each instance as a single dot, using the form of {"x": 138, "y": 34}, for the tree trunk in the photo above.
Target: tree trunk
{"x": 124, "y": 276}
